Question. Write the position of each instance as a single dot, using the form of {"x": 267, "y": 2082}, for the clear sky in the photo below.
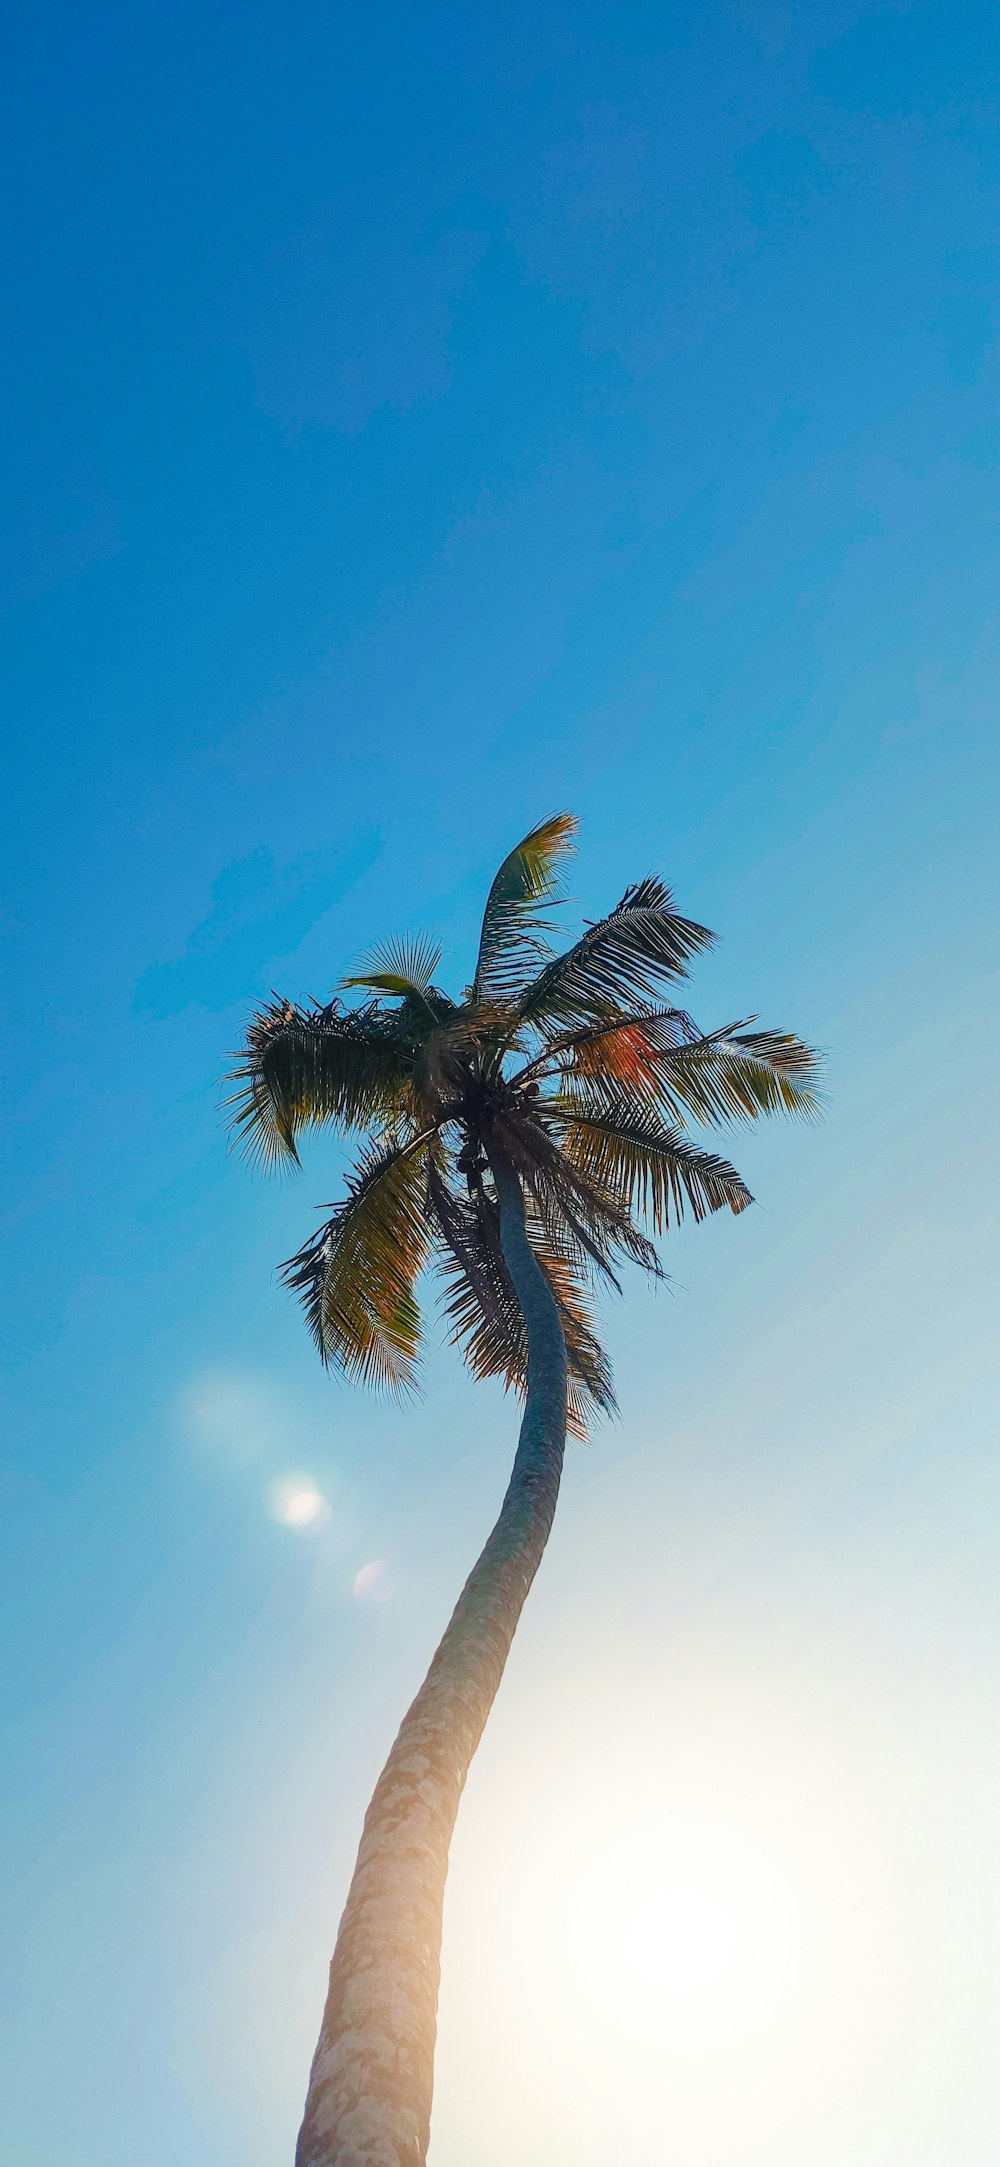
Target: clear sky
{"x": 420, "y": 418}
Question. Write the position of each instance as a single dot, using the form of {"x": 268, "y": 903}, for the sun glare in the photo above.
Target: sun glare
{"x": 684, "y": 1939}
{"x": 678, "y": 1936}
{"x": 297, "y": 1502}
{"x": 669, "y": 1921}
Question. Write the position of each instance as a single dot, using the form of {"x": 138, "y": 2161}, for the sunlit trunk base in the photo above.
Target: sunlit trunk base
{"x": 370, "y": 2087}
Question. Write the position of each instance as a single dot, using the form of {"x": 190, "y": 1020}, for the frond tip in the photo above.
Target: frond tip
{"x": 302, "y": 1067}
{"x": 356, "y": 1276}
{"x": 403, "y": 967}
{"x": 622, "y": 960}
{"x": 510, "y": 944}
{"x": 657, "y": 1171}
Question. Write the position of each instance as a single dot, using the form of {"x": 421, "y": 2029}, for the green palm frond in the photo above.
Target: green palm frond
{"x": 311, "y": 1066}
{"x": 739, "y": 1075}
{"x": 443, "y": 1052}
{"x": 657, "y": 1170}
{"x": 624, "y": 1049}
{"x": 404, "y": 968}
{"x": 663, "y": 1061}
{"x": 356, "y": 1276}
{"x": 510, "y": 946}
{"x": 592, "y": 1213}
{"x": 618, "y": 963}
{"x": 590, "y": 1382}
{"x": 482, "y": 1308}
{"x": 480, "y": 1302}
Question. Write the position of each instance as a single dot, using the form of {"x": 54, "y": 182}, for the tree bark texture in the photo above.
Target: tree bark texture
{"x": 370, "y": 2086}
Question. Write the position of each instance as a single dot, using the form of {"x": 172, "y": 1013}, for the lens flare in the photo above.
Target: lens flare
{"x": 372, "y": 1584}
{"x": 298, "y": 1503}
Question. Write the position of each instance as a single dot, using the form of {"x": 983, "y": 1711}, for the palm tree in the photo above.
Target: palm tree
{"x": 514, "y": 1140}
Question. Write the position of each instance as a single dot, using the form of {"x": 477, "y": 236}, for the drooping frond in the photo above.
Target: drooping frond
{"x": 480, "y": 1302}
{"x": 404, "y": 968}
{"x": 510, "y": 946}
{"x": 590, "y": 1379}
{"x": 595, "y": 1218}
{"x": 356, "y": 1276}
{"x": 483, "y": 1311}
{"x": 657, "y": 1170}
{"x": 303, "y": 1066}
{"x": 618, "y": 963}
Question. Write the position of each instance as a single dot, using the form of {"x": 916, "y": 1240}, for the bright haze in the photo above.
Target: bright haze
{"x": 422, "y": 419}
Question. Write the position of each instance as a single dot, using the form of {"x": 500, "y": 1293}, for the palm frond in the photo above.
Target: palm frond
{"x": 624, "y": 1049}
{"x": 619, "y": 962}
{"x": 443, "y": 1051}
{"x": 480, "y": 1302}
{"x": 590, "y": 1375}
{"x": 510, "y": 945}
{"x": 661, "y": 1058}
{"x": 404, "y": 968}
{"x": 356, "y": 1276}
{"x": 311, "y": 1066}
{"x": 594, "y": 1215}
{"x": 483, "y": 1311}
{"x": 656, "y": 1170}
{"x": 739, "y": 1075}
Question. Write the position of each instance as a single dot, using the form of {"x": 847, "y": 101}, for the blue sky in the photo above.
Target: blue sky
{"x": 420, "y": 419}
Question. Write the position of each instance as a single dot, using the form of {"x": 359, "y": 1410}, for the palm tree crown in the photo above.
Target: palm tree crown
{"x": 570, "y": 1066}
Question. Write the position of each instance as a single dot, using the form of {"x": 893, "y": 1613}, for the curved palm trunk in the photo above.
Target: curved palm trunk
{"x": 370, "y": 2086}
